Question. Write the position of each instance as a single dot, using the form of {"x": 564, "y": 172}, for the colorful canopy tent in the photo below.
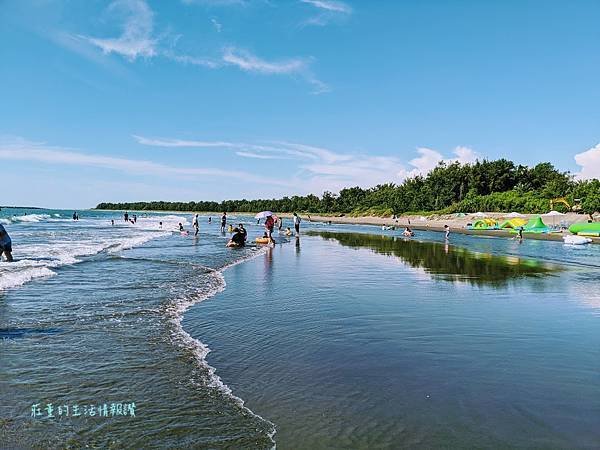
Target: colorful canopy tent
{"x": 484, "y": 224}
{"x": 535, "y": 225}
{"x": 514, "y": 223}
{"x": 585, "y": 229}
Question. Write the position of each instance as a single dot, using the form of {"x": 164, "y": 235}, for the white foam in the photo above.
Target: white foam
{"x": 10, "y": 279}
{"x": 200, "y": 350}
{"x": 30, "y": 218}
{"x": 68, "y": 245}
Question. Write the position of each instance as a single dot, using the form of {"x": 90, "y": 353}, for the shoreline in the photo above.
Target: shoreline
{"x": 418, "y": 223}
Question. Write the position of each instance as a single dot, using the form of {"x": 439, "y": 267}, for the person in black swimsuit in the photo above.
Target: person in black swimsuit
{"x": 237, "y": 240}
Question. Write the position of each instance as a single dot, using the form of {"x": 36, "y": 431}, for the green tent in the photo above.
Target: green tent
{"x": 535, "y": 225}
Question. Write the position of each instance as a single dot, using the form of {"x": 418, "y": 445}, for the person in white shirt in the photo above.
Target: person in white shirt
{"x": 297, "y": 221}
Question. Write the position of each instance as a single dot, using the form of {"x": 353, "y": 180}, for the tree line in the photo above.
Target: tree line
{"x": 498, "y": 185}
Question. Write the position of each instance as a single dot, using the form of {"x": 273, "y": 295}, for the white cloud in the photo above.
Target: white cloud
{"x": 319, "y": 169}
{"x": 136, "y": 38}
{"x": 215, "y": 2}
{"x": 426, "y": 162}
{"x": 248, "y": 62}
{"x": 465, "y": 155}
{"x": 193, "y": 60}
{"x": 429, "y": 159}
{"x": 179, "y": 142}
{"x": 251, "y": 63}
{"x": 258, "y": 155}
{"x": 328, "y": 10}
{"x": 589, "y": 162}
{"x": 218, "y": 26}
{"x": 20, "y": 149}
{"x": 330, "y": 5}
{"x": 267, "y": 151}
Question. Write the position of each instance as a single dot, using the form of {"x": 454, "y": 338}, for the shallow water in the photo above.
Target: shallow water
{"x": 339, "y": 339}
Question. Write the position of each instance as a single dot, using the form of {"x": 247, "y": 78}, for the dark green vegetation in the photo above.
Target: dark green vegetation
{"x": 499, "y": 185}
{"x": 444, "y": 261}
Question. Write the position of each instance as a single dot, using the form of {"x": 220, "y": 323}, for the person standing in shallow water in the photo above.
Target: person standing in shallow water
{"x": 297, "y": 221}
{"x": 196, "y": 225}
{"x": 5, "y": 244}
{"x": 223, "y": 222}
{"x": 447, "y": 231}
{"x": 269, "y": 225}
{"x": 126, "y": 216}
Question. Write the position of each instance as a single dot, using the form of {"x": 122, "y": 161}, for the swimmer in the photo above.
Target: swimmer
{"x": 160, "y": 225}
{"x": 5, "y": 244}
{"x": 243, "y": 231}
{"x": 408, "y": 232}
{"x": 209, "y": 219}
{"x": 288, "y": 232}
{"x": 181, "y": 227}
{"x": 112, "y": 222}
{"x": 447, "y": 231}
{"x": 237, "y": 240}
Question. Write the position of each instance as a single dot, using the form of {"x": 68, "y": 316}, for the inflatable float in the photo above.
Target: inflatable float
{"x": 262, "y": 240}
{"x": 585, "y": 229}
{"x": 576, "y": 240}
{"x": 484, "y": 224}
{"x": 513, "y": 223}
{"x": 535, "y": 225}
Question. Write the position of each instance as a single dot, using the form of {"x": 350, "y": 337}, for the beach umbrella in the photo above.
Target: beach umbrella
{"x": 263, "y": 215}
{"x": 553, "y": 214}
{"x": 514, "y": 215}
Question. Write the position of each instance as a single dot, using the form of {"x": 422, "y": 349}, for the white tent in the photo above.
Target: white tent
{"x": 553, "y": 214}
{"x": 514, "y": 215}
{"x": 480, "y": 214}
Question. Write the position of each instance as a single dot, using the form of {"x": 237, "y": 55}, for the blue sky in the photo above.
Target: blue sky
{"x": 214, "y": 99}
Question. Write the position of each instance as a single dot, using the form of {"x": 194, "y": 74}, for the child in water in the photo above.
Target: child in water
{"x": 288, "y": 232}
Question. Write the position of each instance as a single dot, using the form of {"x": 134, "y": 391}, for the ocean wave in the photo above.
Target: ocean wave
{"x": 72, "y": 243}
{"x": 25, "y": 218}
{"x": 15, "y": 278}
{"x": 175, "y": 312}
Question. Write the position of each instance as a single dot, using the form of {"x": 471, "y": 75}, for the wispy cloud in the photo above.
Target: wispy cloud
{"x": 250, "y": 63}
{"x": 259, "y": 155}
{"x": 136, "y": 38}
{"x": 330, "y": 5}
{"x": 589, "y": 162}
{"x": 218, "y": 26}
{"x": 160, "y": 142}
{"x": 318, "y": 169}
{"x": 328, "y": 11}
{"x": 216, "y": 2}
{"x": 244, "y": 149}
{"x": 19, "y": 149}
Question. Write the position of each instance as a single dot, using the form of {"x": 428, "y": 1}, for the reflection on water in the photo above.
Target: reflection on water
{"x": 444, "y": 261}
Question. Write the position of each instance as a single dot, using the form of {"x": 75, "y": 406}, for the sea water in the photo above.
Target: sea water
{"x": 348, "y": 337}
